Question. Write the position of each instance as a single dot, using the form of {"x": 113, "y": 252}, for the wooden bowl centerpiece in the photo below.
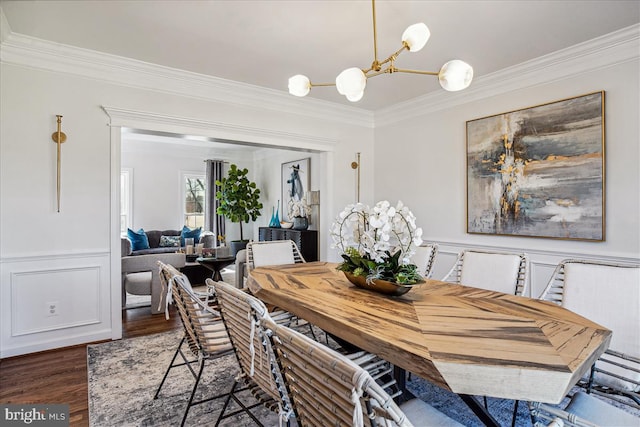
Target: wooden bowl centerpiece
{"x": 381, "y": 286}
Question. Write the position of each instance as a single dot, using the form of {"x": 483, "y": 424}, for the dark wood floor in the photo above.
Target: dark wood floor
{"x": 60, "y": 376}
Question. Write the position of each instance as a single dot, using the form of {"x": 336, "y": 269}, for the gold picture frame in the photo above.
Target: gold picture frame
{"x": 539, "y": 171}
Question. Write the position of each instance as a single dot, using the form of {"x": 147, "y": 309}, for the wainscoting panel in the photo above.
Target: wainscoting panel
{"x": 51, "y": 301}
{"x": 54, "y": 299}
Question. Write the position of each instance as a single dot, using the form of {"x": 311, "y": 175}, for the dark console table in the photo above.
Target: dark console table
{"x": 307, "y": 240}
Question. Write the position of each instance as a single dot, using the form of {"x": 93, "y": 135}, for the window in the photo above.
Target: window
{"x": 194, "y": 198}
{"x": 126, "y": 179}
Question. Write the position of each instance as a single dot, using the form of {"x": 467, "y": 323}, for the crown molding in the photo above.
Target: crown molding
{"x": 218, "y": 130}
{"x": 32, "y": 52}
{"x": 609, "y": 50}
{"x": 605, "y": 51}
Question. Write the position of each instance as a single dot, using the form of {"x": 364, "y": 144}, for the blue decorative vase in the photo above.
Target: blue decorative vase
{"x": 276, "y": 223}
{"x": 275, "y": 218}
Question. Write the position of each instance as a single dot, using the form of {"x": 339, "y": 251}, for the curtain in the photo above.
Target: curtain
{"x": 213, "y": 221}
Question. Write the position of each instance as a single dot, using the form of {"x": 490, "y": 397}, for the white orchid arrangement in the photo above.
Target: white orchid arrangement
{"x": 378, "y": 242}
{"x": 298, "y": 208}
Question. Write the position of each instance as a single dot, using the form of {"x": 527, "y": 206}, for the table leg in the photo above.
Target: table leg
{"x": 400, "y": 376}
{"x": 217, "y": 276}
{"x": 481, "y": 412}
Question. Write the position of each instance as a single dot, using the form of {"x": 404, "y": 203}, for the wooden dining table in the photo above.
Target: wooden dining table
{"x": 467, "y": 340}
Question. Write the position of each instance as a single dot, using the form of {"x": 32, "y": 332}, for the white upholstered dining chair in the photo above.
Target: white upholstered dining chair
{"x": 424, "y": 258}
{"x": 583, "y": 410}
{"x": 275, "y": 252}
{"x": 505, "y": 272}
{"x": 608, "y": 294}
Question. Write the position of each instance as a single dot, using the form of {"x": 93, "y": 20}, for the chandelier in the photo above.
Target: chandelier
{"x": 453, "y": 76}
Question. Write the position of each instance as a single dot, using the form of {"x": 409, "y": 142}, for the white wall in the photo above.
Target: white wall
{"x": 157, "y": 169}
{"x": 424, "y": 162}
{"x": 60, "y": 248}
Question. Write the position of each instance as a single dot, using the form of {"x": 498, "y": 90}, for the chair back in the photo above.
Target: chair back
{"x": 608, "y": 294}
{"x": 204, "y": 330}
{"x": 495, "y": 271}
{"x": 241, "y": 313}
{"x": 167, "y": 272}
{"x": 424, "y": 258}
{"x": 276, "y": 252}
{"x": 326, "y": 388}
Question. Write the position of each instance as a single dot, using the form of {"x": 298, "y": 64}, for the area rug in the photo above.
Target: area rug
{"x": 124, "y": 375}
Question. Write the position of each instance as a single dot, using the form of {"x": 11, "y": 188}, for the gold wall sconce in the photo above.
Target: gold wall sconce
{"x": 58, "y": 137}
{"x": 356, "y": 165}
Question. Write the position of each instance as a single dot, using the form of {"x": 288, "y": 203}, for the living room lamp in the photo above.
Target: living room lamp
{"x": 453, "y": 76}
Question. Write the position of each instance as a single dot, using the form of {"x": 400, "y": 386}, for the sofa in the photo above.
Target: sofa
{"x": 140, "y": 272}
{"x": 154, "y": 237}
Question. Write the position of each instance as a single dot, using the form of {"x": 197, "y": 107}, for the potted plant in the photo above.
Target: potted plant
{"x": 377, "y": 244}
{"x": 239, "y": 201}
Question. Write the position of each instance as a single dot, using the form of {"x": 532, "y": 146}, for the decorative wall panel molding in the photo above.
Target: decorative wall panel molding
{"x": 47, "y": 300}
{"x": 53, "y": 301}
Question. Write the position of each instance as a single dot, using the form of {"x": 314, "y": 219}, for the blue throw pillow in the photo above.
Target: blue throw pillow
{"x": 189, "y": 233}
{"x": 139, "y": 239}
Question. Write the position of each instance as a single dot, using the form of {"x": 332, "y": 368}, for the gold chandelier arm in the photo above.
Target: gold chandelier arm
{"x": 395, "y": 54}
{"x": 321, "y": 84}
{"x": 428, "y": 73}
{"x": 387, "y": 70}
{"x": 375, "y": 35}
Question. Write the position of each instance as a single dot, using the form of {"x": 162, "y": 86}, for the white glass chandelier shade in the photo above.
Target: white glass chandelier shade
{"x": 299, "y": 85}
{"x": 355, "y": 97}
{"x": 455, "y": 75}
{"x": 351, "y": 83}
{"x": 416, "y": 36}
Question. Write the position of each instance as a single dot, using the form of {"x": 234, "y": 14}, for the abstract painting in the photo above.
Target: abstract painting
{"x": 539, "y": 171}
{"x": 295, "y": 183}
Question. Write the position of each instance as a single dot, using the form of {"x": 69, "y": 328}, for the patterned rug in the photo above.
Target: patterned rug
{"x": 124, "y": 375}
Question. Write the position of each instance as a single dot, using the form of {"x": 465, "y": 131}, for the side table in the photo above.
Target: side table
{"x": 216, "y": 264}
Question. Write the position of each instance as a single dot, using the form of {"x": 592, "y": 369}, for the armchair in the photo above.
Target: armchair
{"x": 241, "y": 269}
{"x": 140, "y": 276}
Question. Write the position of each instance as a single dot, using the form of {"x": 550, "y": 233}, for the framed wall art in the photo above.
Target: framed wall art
{"x": 539, "y": 171}
{"x": 295, "y": 183}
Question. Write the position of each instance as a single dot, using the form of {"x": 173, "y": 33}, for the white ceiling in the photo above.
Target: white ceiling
{"x": 265, "y": 42}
